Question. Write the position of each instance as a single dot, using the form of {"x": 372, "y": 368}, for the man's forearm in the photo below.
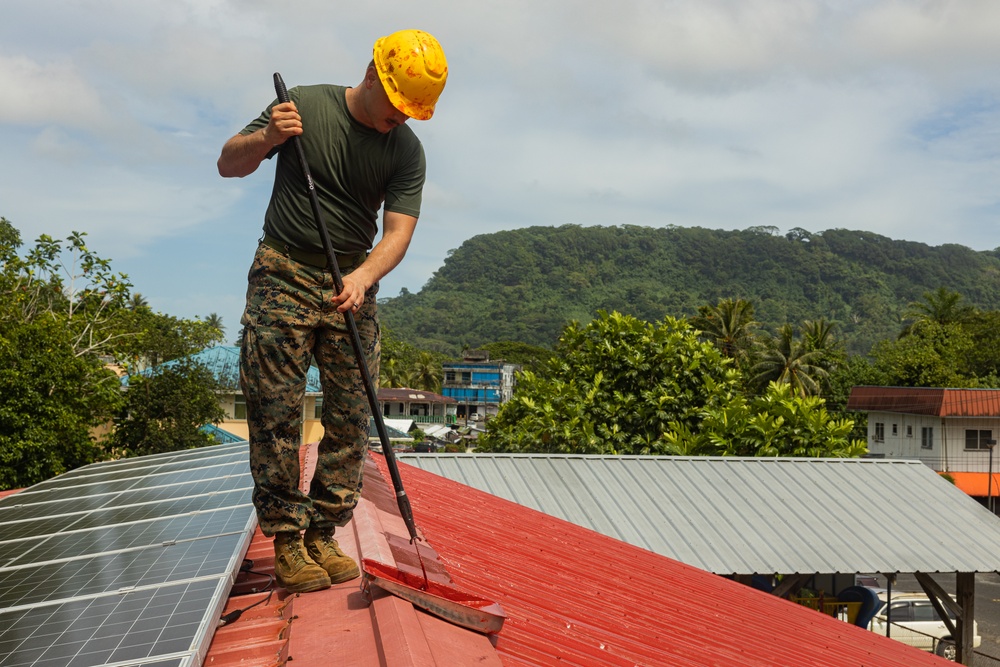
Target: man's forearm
{"x": 386, "y": 255}
{"x": 242, "y": 154}
{"x": 397, "y": 233}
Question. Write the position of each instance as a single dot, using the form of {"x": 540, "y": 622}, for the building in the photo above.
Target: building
{"x": 149, "y": 555}
{"x": 423, "y": 407}
{"x": 953, "y": 431}
{"x": 478, "y": 386}
{"x": 224, "y": 362}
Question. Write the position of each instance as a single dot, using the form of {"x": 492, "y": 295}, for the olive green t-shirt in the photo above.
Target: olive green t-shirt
{"x": 354, "y": 168}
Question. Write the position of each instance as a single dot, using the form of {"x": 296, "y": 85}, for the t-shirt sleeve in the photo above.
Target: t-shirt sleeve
{"x": 405, "y": 190}
{"x": 261, "y": 122}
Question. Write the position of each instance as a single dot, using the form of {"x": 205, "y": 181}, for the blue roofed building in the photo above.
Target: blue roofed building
{"x": 478, "y": 386}
{"x": 224, "y": 363}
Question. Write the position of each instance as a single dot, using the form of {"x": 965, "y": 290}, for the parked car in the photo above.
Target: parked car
{"x": 915, "y": 622}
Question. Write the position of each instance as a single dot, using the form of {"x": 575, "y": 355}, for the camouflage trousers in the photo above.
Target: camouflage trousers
{"x": 290, "y": 319}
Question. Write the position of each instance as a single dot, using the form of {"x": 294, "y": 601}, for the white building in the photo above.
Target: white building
{"x": 953, "y": 431}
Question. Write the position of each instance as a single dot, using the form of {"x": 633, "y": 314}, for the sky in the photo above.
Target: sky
{"x": 877, "y": 115}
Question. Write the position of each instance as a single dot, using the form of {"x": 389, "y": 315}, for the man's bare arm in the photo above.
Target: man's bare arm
{"x": 397, "y": 231}
{"x": 243, "y": 153}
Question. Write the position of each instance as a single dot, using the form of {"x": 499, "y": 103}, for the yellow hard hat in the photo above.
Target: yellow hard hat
{"x": 413, "y": 71}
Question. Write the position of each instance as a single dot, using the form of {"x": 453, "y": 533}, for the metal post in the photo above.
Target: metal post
{"x": 989, "y": 484}
{"x": 889, "y": 579}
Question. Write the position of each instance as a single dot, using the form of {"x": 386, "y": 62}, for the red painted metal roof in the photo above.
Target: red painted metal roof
{"x": 926, "y": 401}
{"x": 338, "y": 626}
{"x": 572, "y": 597}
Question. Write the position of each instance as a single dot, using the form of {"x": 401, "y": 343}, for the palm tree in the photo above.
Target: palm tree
{"x": 426, "y": 373}
{"x": 792, "y": 362}
{"x": 393, "y": 375}
{"x": 214, "y": 321}
{"x": 137, "y": 301}
{"x": 818, "y": 334}
{"x": 730, "y": 326}
{"x": 941, "y": 306}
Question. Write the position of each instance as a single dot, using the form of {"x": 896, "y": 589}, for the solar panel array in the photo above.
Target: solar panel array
{"x": 124, "y": 563}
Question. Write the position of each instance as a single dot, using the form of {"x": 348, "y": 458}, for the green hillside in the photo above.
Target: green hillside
{"x": 525, "y": 284}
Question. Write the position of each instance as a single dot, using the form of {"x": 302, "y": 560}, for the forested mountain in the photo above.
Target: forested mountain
{"x": 526, "y": 284}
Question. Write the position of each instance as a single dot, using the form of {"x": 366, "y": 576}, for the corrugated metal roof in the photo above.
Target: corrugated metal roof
{"x": 575, "y": 597}
{"x": 393, "y": 432}
{"x": 403, "y": 394}
{"x": 337, "y": 626}
{"x": 572, "y": 596}
{"x": 748, "y": 516}
{"x": 926, "y": 401}
{"x": 222, "y": 436}
{"x": 224, "y": 363}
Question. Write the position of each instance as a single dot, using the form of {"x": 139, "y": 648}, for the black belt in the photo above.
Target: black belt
{"x": 316, "y": 259}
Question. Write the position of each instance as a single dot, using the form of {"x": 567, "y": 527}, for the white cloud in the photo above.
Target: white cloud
{"x": 34, "y": 93}
{"x": 880, "y": 115}
{"x": 937, "y": 35}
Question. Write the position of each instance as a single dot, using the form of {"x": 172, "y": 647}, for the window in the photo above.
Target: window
{"x": 978, "y": 439}
{"x": 927, "y": 437}
{"x": 879, "y": 432}
{"x": 318, "y": 408}
{"x": 240, "y": 407}
{"x": 925, "y": 611}
{"x": 895, "y": 429}
{"x": 901, "y": 611}
{"x": 909, "y": 430}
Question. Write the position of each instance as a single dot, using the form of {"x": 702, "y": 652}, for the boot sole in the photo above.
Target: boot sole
{"x": 345, "y": 576}
{"x": 304, "y": 586}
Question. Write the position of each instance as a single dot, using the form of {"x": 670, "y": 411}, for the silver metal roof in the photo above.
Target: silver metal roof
{"x": 748, "y": 516}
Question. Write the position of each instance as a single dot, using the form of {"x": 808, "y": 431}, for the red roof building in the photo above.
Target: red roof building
{"x": 572, "y": 597}
{"x": 951, "y": 430}
{"x": 930, "y": 401}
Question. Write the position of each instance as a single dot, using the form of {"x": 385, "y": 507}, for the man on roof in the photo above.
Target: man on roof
{"x": 362, "y": 156}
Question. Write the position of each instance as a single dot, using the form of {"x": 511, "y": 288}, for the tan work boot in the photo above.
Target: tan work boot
{"x": 326, "y": 552}
{"x": 293, "y": 567}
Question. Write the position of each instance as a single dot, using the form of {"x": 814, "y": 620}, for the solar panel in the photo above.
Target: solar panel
{"x": 25, "y": 524}
{"x": 125, "y": 563}
{"x": 147, "y": 480}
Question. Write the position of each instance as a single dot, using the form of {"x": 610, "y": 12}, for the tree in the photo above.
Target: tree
{"x": 426, "y": 372}
{"x": 731, "y": 326}
{"x": 54, "y": 390}
{"x": 932, "y": 355}
{"x": 613, "y": 387}
{"x": 51, "y": 401}
{"x": 70, "y": 284}
{"x": 818, "y": 335}
{"x": 942, "y": 306}
{"x": 529, "y": 357}
{"x": 154, "y": 338}
{"x": 776, "y": 423}
{"x": 64, "y": 313}
{"x": 214, "y": 321}
{"x": 393, "y": 375}
{"x": 137, "y": 302}
{"x": 793, "y": 362}
{"x": 165, "y": 408}
{"x": 983, "y": 357}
